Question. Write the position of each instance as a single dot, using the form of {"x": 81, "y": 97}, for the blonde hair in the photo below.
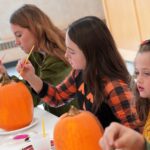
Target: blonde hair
{"x": 49, "y": 38}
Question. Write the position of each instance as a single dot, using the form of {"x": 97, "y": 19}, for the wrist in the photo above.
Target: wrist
{"x": 36, "y": 83}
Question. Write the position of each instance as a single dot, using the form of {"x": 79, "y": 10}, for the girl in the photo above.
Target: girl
{"x": 31, "y": 26}
{"x": 100, "y": 77}
{"x": 142, "y": 86}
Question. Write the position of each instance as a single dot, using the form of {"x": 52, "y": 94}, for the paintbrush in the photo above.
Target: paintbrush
{"x": 26, "y": 60}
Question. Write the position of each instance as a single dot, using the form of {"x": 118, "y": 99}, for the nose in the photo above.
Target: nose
{"x": 17, "y": 42}
{"x": 139, "y": 79}
{"x": 66, "y": 54}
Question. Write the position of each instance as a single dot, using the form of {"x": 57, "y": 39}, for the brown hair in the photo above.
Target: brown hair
{"x": 49, "y": 38}
{"x": 142, "y": 104}
{"x": 103, "y": 59}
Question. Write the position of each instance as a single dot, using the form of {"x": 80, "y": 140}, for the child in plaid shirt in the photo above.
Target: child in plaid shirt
{"x": 99, "y": 77}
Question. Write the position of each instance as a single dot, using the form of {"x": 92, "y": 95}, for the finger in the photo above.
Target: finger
{"x": 120, "y": 143}
{"x": 111, "y": 133}
{"x": 103, "y": 144}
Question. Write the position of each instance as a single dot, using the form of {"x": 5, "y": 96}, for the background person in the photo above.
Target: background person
{"x": 31, "y": 26}
{"x": 141, "y": 87}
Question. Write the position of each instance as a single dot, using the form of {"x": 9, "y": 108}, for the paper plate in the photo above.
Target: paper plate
{"x": 33, "y": 123}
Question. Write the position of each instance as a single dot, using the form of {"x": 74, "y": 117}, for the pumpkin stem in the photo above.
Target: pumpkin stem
{"x": 5, "y": 79}
{"x": 73, "y": 111}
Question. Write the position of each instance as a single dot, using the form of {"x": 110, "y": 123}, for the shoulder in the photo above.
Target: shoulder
{"x": 118, "y": 85}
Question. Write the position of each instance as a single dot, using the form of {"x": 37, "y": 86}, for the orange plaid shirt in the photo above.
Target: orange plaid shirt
{"x": 117, "y": 94}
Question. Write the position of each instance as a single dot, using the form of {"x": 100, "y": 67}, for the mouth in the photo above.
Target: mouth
{"x": 140, "y": 88}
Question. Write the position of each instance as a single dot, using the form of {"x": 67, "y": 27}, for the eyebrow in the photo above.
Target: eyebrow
{"x": 144, "y": 69}
{"x": 71, "y": 49}
{"x": 17, "y": 32}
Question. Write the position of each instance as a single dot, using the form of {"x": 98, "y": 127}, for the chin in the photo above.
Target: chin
{"x": 143, "y": 96}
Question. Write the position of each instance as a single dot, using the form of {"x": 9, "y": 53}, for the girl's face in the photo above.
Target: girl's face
{"x": 24, "y": 38}
{"x": 142, "y": 72}
{"x": 74, "y": 55}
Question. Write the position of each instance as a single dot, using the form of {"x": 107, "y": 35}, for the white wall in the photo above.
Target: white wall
{"x": 61, "y": 12}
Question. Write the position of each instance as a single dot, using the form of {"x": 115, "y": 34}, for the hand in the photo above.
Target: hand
{"x": 26, "y": 70}
{"x": 2, "y": 68}
{"x": 117, "y": 136}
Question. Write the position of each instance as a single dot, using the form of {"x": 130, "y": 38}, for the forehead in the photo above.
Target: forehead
{"x": 16, "y": 27}
{"x": 70, "y": 44}
{"x": 143, "y": 59}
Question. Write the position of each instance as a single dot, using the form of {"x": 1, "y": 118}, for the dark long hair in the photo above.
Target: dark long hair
{"x": 49, "y": 38}
{"x": 103, "y": 59}
{"x": 142, "y": 104}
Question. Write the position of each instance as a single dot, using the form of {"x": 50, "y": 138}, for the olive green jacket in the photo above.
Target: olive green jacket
{"x": 53, "y": 71}
{"x": 49, "y": 69}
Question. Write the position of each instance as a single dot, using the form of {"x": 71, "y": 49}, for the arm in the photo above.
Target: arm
{"x": 52, "y": 94}
{"x": 62, "y": 92}
{"x": 117, "y": 136}
{"x": 120, "y": 101}
{"x": 27, "y": 72}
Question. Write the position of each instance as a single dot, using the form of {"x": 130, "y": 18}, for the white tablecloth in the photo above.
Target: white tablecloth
{"x": 6, "y": 142}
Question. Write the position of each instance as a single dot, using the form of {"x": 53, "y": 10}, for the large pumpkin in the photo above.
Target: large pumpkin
{"x": 77, "y": 130}
{"x": 16, "y": 106}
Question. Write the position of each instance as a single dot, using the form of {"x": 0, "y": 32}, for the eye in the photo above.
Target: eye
{"x": 147, "y": 73}
{"x": 136, "y": 73}
{"x": 18, "y": 35}
{"x": 70, "y": 51}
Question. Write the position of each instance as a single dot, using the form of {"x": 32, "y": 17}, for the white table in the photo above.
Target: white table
{"x": 6, "y": 141}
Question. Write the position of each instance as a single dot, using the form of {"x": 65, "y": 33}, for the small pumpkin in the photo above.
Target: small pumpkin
{"x": 77, "y": 130}
{"x": 16, "y": 105}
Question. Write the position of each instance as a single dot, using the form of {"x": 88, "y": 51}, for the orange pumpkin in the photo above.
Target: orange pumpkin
{"x": 16, "y": 106}
{"x": 77, "y": 130}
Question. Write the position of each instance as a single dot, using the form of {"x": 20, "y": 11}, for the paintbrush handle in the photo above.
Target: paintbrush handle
{"x": 27, "y": 58}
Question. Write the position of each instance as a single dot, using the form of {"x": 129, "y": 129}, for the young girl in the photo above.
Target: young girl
{"x": 142, "y": 86}
{"x": 31, "y": 26}
{"x": 100, "y": 77}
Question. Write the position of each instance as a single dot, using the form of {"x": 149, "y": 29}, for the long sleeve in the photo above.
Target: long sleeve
{"x": 120, "y": 100}
{"x": 146, "y": 131}
{"x": 61, "y": 93}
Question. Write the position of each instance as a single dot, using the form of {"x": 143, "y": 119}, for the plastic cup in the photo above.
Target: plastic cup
{"x": 39, "y": 142}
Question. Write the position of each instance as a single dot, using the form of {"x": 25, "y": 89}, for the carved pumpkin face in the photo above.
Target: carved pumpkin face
{"x": 77, "y": 131}
{"x": 16, "y": 106}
